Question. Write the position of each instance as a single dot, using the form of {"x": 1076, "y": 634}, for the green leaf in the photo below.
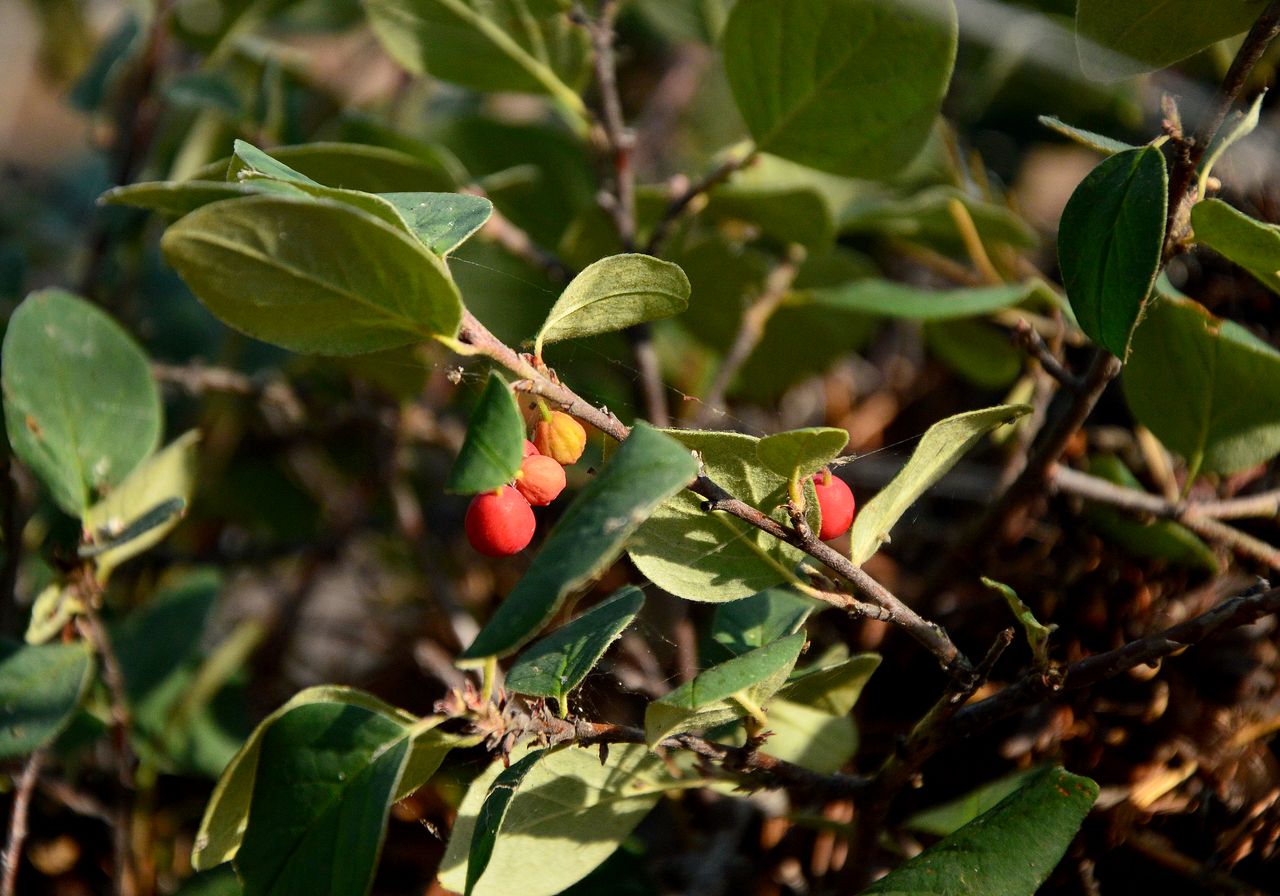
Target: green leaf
{"x": 716, "y": 557}
{"x": 491, "y": 815}
{"x": 559, "y": 662}
{"x": 226, "y": 818}
{"x": 1160, "y": 539}
{"x": 647, "y": 469}
{"x": 443, "y": 221}
{"x": 164, "y": 478}
{"x": 1206, "y": 387}
{"x": 612, "y": 294}
{"x": 1103, "y": 144}
{"x": 80, "y": 406}
{"x": 372, "y": 169}
{"x": 55, "y": 606}
{"x": 494, "y": 447}
{"x": 40, "y": 689}
{"x": 743, "y": 625}
{"x": 832, "y": 687}
{"x": 809, "y": 737}
{"x": 939, "y": 449}
{"x": 570, "y": 814}
{"x": 178, "y": 198}
{"x": 521, "y": 45}
{"x": 1009, "y": 850}
{"x": 313, "y": 275}
{"x": 1241, "y": 125}
{"x": 1109, "y": 244}
{"x": 847, "y": 86}
{"x": 951, "y": 816}
{"x": 732, "y": 690}
{"x": 247, "y": 161}
{"x": 925, "y": 217}
{"x": 1253, "y": 245}
{"x": 888, "y": 299}
{"x": 1122, "y": 38}
{"x": 979, "y": 352}
{"x": 800, "y": 452}
{"x": 1036, "y": 632}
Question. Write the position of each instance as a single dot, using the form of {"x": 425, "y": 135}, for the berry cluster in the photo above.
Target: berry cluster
{"x": 501, "y": 523}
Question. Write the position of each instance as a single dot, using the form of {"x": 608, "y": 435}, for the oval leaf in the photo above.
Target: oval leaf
{"x": 1253, "y": 245}
{"x": 491, "y": 815}
{"x": 888, "y": 299}
{"x": 40, "y": 688}
{"x": 80, "y": 406}
{"x": 559, "y": 662}
{"x": 847, "y": 86}
{"x": 1010, "y": 849}
{"x": 1122, "y": 38}
{"x": 731, "y": 690}
{"x": 1109, "y": 244}
{"x": 939, "y": 449}
{"x": 178, "y": 198}
{"x": 743, "y": 625}
{"x": 568, "y": 815}
{"x": 443, "y": 221}
{"x": 800, "y": 452}
{"x": 357, "y": 166}
{"x": 493, "y": 449}
{"x": 649, "y": 468}
{"x": 615, "y": 293}
{"x": 313, "y": 275}
{"x": 1206, "y": 387}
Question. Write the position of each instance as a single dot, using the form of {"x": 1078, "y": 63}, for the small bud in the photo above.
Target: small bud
{"x": 540, "y": 480}
{"x": 560, "y": 437}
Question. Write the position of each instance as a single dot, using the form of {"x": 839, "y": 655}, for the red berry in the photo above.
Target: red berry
{"x": 835, "y": 500}
{"x": 540, "y": 480}
{"x": 529, "y": 449}
{"x": 500, "y": 523}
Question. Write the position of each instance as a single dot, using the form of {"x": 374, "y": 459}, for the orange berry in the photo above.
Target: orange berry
{"x": 500, "y": 523}
{"x": 540, "y": 480}
{"x": 529, "y": 448}
{"x": 835, "y": 500}
{"x": 561, "y": 437}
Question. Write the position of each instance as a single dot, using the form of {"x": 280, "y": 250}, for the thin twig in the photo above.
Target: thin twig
{"x": 679, "y": 203}
{"x": 475, "y": 337}
{"x": 18, "y": 821}
{"x": 750, "y": 331}
{"x": 1025, "y": 337}
{"x": 1190, "y": 514}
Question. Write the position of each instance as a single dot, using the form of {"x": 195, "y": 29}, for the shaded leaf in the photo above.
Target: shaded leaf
{"x": 979, "y": 352}
{"x": 939, "y": 449}
{"x": 494, "y": 447}
{"x": 493, "y": 811}
{"x": 925, "y": 217}
{"x": 559, "y": 662}
{"x": 1009, "y": 850}
{"x": 180, "y": 197}
{"x": 888, "y": 299}
{"x": 80, "y": 406}
{"x": 356, "y": 166}
{"x": 810, "y": 737}
{"x": 647, "y": 469}
{"x": 872, "y": 82}
{"x": 743, "y": 625}
{"x": 951, "y": 816}
{"x": 833, "y": 687}
{"x": 313, "y": 275}
{"x": 570, "y": 813}
{"x": 40, "y": 689}
{"x": 613, "y": 294}
{"x": 1101, "y": 143}
{"x": 1109, "y": 244}
{"x": 166, "y": 479}
{"x": 1121, "y": 38}
{"x": 732, "y": 690}
{"x": 1206, "y": 387}
{"x": 1036, "y": 632}
{"x": 1253, "y": 245}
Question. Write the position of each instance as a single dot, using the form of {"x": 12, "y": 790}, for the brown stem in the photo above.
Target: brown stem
{"x": 1026, "y": 338}
{"x": 1190, "y": 514}
{"x": 18, "y": 821}
{"x": 679, "y": 203}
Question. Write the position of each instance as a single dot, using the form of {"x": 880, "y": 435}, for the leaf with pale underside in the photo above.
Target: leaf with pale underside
{"x": 1252, "y": 244}
{"x": 941, "y": 446}
{"x": 612, "y": 294}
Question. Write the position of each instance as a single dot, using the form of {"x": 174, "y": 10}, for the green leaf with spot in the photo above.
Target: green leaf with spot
{"x": 1205, "y": 386}
{"x": 846, "y": 86}
{"x": 80, "y": 406}
{"x": 1010, "y": 849}
{"x": 941, "y": 446}
{"x": 1110, "y": 242}
{"x": 40, "y": 689}
{"x": 732, "y": 690}
{"x": 313, "y": 275}
{"x": 646, "y": 470}
{"x": 494, "y": 447}
{"x": 712, "y": 556}
{"x": 612, "y": 294}
{"x": 1253, "y": 245}
{"x": 559, "y": 662}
